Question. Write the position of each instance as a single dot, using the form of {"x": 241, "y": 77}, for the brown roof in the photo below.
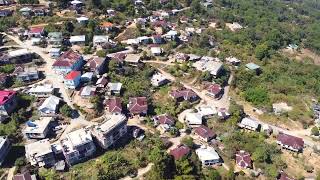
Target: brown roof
{"x": 186, "y": 94}
{"x": 204, "y": 132}
{"x": 292, "y": 141}
{"x": 243, "y": 159}
{"x": 164, "y": 119}
{"x": 214, "y": 89}
{"x": 284, "y": 176}
{"x": 180, "y": 152}
{"x": 67, "y": 59}
{"x": 138, "y": 105}
{"x": 119, "y": 57}
{"x": 24, "y": 176}
{"x": 114, "y": 105}
{"x": 95, "y": 62}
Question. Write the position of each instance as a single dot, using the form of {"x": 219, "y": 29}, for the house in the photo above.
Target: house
{"x": 107, "y": 26}
{"x": 252, "y": 67}
{"x": 193, "y": 119}
{"x": 86, "y": 77}
{"x": 87, "y": 92}
{"x": 77, "y": 40}
{"x": 215, "y": 91}
{"x": 25, "y": 11}
{"x": 132, "y": 58}
{"x": 111, "y": 130}
{"x": 38, "y": 129}
{"x": 292, "y": 47}
{"x": 214, "y": 67}
{"x": 208, "y": 156}
{"x": 193, "y": 57}
{"x": 40, "y": 153}
{"x": 234, "y": 26}
{"x": 133, "y": 41}
{"x": 156, "y": 51}
{"x": 181, "y": 57}
{"x": 159, "y": 79}
{"x": 204, "y": 133}
{"x": 279, "y": 108}
{"x": 67, "y": 62}
{"x": 97, "y": 65}
{"x": 5, "y": 12}
{"x": 36, "y": 32}
{"x": 20, "y": 55}
{"x": 223, "y": 113}
{"x": 283, "y": 176}
{"x": 184, "y": 95}
{"x": 82, "y": 20}
{"x": 234, "y": 61}
{"x": 206, "y": 111}
{"x": 5, "y": 147}
{"x": 114, "y": 105}
{"x": 180, "y": 152}
{"x": 28, "y": 75}
{"x": 289, "y": 142}
{"x": 163, "y": 119}
{"x": 54, "y": 52}
{"x": 72, "y": 80}
{"x": 41, "y": 90}
{"x": 171, "y": 35}
{"x": 24, "y": 176}
{"x": 138, "y": 105}
{"x": 8, "y": 103}
{"x": 157, "y": 39}
{"x": 114, "y": 88}
{"x": 6, "y": 2}
{"x": 102, "y": 82}
{"x": 250, "y": 124}
{"x": 243, "y": 159}
{"x": 144, "y": 40}
{"x": 118, "y": 57}
{"x": 55, "y": 38}
{"x": 99, "y": 40}
{"x": 4, "y": 79}
{"x": 49, "y": 106}
{"x": 77, "y": 146}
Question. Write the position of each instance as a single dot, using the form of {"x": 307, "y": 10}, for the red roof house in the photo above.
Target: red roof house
{"x": 215, "y": 90}
{"x": 138, "y": 105}
{"x": 204, "y": 133}
{"x": 97, "y": 65}
{"x": 184, "y": 94}
{"x": 23, "y": 176}
{"x": 72, "y": 75}
{"x": 114, "y": 105}
{"x": 67, "y": 62}
{"x": 290, "y": 142}
{"x": 36, "y": 31}
{"x": 72, "y": 79}
{"x": 284, "y": 176}
{"x": 163, "y": 119}
{"x": 180, "y": 152}
{"x": 243, "y": 159}
{"x": 7, "y": 103}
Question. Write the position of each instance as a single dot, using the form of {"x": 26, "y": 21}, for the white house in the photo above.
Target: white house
{"x": 248, "y": 123}
{"x": 50, "y": 106}
{"x": 114, "y": 88}
{"x": 159, "y": 79}
{"x": 193, "y": 119}
{"x": 40, "y": 90}
{"x": 206, "y": 111}
{"x": 40, "y": 153}
{"x": 81, "y": 39}
{"x": 38, "y": 129}
{"x": 208, "y": 156}
{"x": 99, "y": 40}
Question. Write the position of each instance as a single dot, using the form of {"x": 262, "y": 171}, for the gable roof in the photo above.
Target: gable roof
{"x": 67, "y": 59}
{"x": 114, "y": 105}
{"x": 243, "y": 159}
{"x": 72, "y": 75}
{"x": 5, "y": 95}
{"x": 36, "y": 30}
{"x": 292, "y": 141}
{"x": 138, "y": 104}
{"x": 180, "y": 152}
{"x": 95, "y": 62}
{"x": 204, "y": 132}
{"x": 50, "y": 103}
{"x": 214, "y": 89}
{"x": 185, "y": 94}
{"x": 106, "y": 24}
{"x": 164, "y": 119}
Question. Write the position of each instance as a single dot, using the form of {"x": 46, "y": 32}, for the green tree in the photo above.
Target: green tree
{"x": 66, "y": 110}
{"x": 213, "y": 175}
{"x": 260, "y": 154}
{"x": 188, "y": 141}
{"x": 257, "y": 95}
{"x": 315, "y": 131}
{"x": 183, "y": 166}
{"x": 101, "y": 53}
{"x": 262, "y": 51}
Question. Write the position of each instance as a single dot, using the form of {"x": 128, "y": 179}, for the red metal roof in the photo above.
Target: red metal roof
{"x": 186, "y": 94}
{"x": 214, "y": 89}
{"x": 5, "y": 95}
{"x": 180, "y": 152}
{"x": 67, "y": 59}
{"x": 138, "y": 105}
{"x": 72, "y": 75}
{"x": 96, "y": 62}
{"x": 243, "y": 159}
{"x": 36, "y": 30}
{"x": 292, "y": 141}
{"x": 164, "y": 119}
{"x": 284, "y": 176}
{"x": 114, "y": 105}
{"x": 205, "y": 132}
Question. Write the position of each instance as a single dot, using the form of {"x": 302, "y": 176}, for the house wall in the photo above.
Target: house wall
{"x": 9, "y": 106}
{"x": 81, "y": 153}
{"x": 4, "y": 151}
{"x": 73, "y": 84}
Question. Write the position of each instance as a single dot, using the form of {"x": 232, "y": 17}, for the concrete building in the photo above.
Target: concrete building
{"x": 67, "y": 62}
{"x": 38, "y": 129}
{"x": 208, "y": 156}
{"x": 113, "y": 128}
{"x": 49, "y": 106}
{"x": 250, "y": 124}
{"x": 41, "y": 90}
{"x": 72, "y": 80}
{"x": 40, "y": 153}
{"x": 7, "y": 103}
{"x": 77, "y": 146}
{"x": 5, "y": 147}
{"x": 158, "y": 80}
